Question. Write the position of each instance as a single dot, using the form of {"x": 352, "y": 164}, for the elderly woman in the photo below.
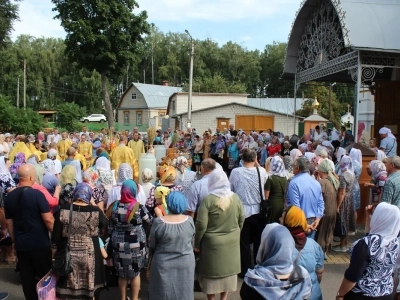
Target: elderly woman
{"x": 86, "y": 260}
{"x": 67, "y": 183}
{"x": 34, "y": 161}
{"x": 288, "y": 162}
{"x": 172, "y": 263}
{"x": 340, "y": 152}
{"x": 329, "y": 185}
{"x": 185, "y": 177}
{"x": 147, "y": 177}
{"x": 274, "y": 190}
{"x": 345, "y": 205}
{"x": 50, "y": 180}
{"x": 309, "y": 253}
{"x": 19, "y": 159}
{"x": 373, "y": 257}
{"x": 128, "y": 238}
{"x": 276, "y": 276}
{"x": 295, "y": 154}
{"x": 167, "y": 178}
{"x": 219, "y": 221}
{"x": 78, "y": 170}
{"x": 377, "y": 170}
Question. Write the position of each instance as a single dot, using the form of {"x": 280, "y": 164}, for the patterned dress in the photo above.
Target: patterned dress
{"x": 129, "y": 240}
{"x": 346, "y": 209}
{"x": 356, "y": 190}
{"x": 86, "y": 260}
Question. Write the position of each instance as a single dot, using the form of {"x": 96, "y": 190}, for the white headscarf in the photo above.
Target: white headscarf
{"x": 346, "y": 164}
{"x": 380, "y": 155}
{"x": 385, "y": 221}
{"x": 356, "y": 155}
{"x": 219, "y": 185}
{"x": 295, "y": 154}
{"x": 340, "y": 152}
{"x": 49, "y": 167}
{"x": 278, "y": 167}
{"x": 385, "y": 130}
{"x": 78, "y": 170}
{"x": 3, "y": 168}
{"x": 103, "y": 164}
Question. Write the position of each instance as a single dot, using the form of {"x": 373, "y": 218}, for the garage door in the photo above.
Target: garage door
{"x": 252, "y": 122}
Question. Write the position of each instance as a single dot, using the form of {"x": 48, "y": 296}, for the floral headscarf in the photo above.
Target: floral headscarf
{"x": 181, "y": 164}
{"x": 82, "y": 192}
{"x": 378, "y": 168}
{"x": 278, "y": 167}
{"x": 106, "y": 179}
{"x": 124, "y": 172}
{"x": 129, "y": 193}
{"x": 49, "y": 167}
{"x": 346, "y": 164}
{"x": 90, "y": 176}
{"x": 19, "y": 160}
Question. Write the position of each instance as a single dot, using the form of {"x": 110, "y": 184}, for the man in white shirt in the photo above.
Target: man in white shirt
{"x": 319, "y": 135}
{"x": 84, "y": 131}
{"x": 199, "y": 188}
{"x": 54, "y": 137}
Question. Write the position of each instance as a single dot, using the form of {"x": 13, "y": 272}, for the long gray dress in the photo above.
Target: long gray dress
{"x": 172, "y": 265}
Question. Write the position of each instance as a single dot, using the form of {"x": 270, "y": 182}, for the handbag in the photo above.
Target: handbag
{"x": 62, "y": 258}
{"x": 340, "y": 230}
{"x": 46, "y": 287}
{"x": 263, "y": 203}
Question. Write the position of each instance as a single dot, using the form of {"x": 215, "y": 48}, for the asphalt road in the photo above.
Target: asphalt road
{"x": 10, "y": 282}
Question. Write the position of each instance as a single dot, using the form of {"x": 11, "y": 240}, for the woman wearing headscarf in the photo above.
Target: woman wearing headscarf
{"x": 377, "y": 170}
{"x": 373, "y": 257}
{"x": 34, "y": 161}
{"x": 388, "y": 143}
{"x": 274, "y": 190}
{"x": 380, "y": 155}
{"x": 103, "y": 188}
{"x": 78, "y": 170}
{"x": 4, "y": 144}
{"x": 147, "y": 177}
{"x": 50, "y": 180}
{"x": 340, "y": 152}
{"x": 329, "y": 182}
{"x": 345, "y": 205}
{"x": 67, "y": 183}
{"x": 19, "y": 159}
{"x": 219, "y": 221}
{"x": 161, "y": 193}
{"x": 184, "y": 177}
{"x": 86, "y": 261}
{"x": 91, "y": 176}
{"x": 275, "y": 276}
{"x": 128, "y": 238}
{"x": 356, "y": 157}
{"x": 309, "y": 253}
{"x": 172, "y": 263}
{"x": 167, "y": 178}
{"x": 295, "y": 154}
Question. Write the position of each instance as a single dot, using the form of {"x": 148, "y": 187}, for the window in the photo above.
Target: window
{"x": 173, "y": 105}
{"x": 138, "y": 118}
{"x": 126, "y": 117}
{"x": 161, "y": 116}
{"x": 133, "y": 96}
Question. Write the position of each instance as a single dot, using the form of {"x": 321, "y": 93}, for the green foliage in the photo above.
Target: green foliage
{"x": 18, "y": 120}
{"x": 8, "y": 14}
{"x": 68, "y": 115}
{"x": 216, "y": 84}
{"x": 102, "y": 36}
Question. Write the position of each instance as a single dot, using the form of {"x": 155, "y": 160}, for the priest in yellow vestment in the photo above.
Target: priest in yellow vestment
{"x": 63, "y": 145}
{"x": 136, "y": 145}
{"x": 124, "y": 154}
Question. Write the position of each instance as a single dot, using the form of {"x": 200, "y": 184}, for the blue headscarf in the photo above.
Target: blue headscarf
{"x": 82, "y": 192}
{"x": 104, "y": 154}
{"x": 176, "y": 202}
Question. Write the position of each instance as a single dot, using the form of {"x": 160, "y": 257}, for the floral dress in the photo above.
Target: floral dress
{"x": 346, "y": 210}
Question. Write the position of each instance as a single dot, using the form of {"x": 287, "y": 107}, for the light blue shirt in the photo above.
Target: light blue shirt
{"x": 197, "y": 192}
{"x": 390, "y": 146}
{"x": 305, "y": 192}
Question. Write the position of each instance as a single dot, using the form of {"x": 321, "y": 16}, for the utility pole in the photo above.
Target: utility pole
{"x": 144, "y": 76}
{"x": 18, "y": 93}
{"x": 189, "y": 113}
{"x": 24, "y": 84}
{"x": 330, "y": 93}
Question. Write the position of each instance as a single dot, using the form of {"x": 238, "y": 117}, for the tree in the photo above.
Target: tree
{"x": 8, "y": 14}
{"x": 102, "y": 36}
{"x": 68, "y": 115}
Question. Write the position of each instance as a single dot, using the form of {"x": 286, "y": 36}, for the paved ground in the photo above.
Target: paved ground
{"x": 335, "y": 267}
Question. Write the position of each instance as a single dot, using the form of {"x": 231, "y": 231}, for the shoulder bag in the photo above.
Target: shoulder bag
{"x": 62, "y": 258}
{"x": 263, "y": 203}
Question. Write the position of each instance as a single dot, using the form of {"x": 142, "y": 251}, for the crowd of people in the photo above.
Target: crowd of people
{"x": 257, "y": 205}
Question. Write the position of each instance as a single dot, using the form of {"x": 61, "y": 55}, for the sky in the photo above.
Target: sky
{"x": 250, "y": 23}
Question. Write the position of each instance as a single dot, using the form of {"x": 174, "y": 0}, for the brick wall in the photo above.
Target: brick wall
{"x": 205, "y": 119}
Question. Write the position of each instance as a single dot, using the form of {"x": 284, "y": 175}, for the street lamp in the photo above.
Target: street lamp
{"x": 189, "y": 114}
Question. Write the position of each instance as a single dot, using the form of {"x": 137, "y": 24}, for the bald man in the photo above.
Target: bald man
{"x": 29, "y": 221}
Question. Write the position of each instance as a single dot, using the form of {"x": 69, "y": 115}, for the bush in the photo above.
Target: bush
{"x": 68, "y": 115}
{"x": 18, "y": 120}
